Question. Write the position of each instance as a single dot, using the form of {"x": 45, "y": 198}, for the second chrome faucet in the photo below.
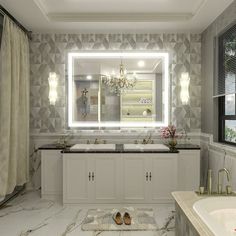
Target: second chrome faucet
{"x": 220, "y": 191}
{"x": 219, "y": 185}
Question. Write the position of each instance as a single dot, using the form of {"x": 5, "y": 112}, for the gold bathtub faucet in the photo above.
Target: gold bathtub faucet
{"x": 219, "y": 185}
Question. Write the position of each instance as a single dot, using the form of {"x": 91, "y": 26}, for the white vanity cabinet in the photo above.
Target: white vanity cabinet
{"x": 76, "y": 178}
{"x": 106, "y": 174}
{"x": 92, "y": 178}
{"x": 119, "y": 177}
{"x": 189, "y": 170}
{"x": 149, "y": 177}
{"x": 163, "y": 169}
{"x": 135, "y": 177}
{"x": 51, "y": 174}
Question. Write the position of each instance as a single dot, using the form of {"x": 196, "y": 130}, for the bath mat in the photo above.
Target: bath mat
{"x": 101, "y": 220}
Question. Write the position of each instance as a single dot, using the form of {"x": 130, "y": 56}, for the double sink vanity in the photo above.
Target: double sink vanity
{"x": 118, "y": 173}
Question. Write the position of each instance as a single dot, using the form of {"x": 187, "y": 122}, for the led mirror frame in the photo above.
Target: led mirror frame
{"x": 81, "y": 55}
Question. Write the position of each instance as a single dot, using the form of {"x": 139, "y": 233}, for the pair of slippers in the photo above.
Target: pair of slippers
{"x": 119, "y": 220}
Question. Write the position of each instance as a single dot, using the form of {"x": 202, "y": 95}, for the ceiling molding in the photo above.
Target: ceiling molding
{"x": 42, "y": 7}
{"x": 198, "y": 8}
{"x": 119, "y": 17}
{"x": 44, "y": 16}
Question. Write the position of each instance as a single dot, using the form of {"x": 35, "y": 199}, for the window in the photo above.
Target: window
{"x": 226, "y": 86}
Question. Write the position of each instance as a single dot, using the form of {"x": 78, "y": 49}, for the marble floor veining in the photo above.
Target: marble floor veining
{"x": 28, "y": 214}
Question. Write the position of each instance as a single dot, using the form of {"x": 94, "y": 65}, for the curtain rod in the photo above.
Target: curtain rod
{"x": 3, "y": 11}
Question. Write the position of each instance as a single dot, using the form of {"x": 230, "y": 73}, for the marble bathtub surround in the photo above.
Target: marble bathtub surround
{"x": 185, "y": 212}
{"x": 51, "y": 218}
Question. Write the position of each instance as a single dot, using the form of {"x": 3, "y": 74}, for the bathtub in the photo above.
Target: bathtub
{"x": 219, "y": 214}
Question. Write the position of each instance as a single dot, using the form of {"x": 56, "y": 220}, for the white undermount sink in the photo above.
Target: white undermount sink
{"x": 102, "y": 147}
{"x": 153, "y": 147}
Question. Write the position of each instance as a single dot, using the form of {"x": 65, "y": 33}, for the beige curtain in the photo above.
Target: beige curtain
{"x": 14, "y": 107}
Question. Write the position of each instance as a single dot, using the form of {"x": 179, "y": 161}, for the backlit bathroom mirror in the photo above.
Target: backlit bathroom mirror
{"x": 118, "y": 89}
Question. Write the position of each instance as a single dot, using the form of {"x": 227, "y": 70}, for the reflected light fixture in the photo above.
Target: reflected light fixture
{"x": 89, "y": 77}
{"x": 184, "y": 83}
{"x": 141, "y": 63}
{"x": 119, "y": 84}
{"x": 53, "y": 81}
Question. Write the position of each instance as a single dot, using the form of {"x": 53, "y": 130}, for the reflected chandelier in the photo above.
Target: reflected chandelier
{"x": 119, "y": 84}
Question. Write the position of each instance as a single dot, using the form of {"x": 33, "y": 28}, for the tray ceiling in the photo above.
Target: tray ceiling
{"x": 116, "y": 16}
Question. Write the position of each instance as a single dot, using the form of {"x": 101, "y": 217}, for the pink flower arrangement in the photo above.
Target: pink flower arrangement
{"x": 169, "y": 132}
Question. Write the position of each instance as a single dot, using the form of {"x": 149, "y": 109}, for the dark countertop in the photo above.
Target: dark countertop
{"x": 188, "y": 146}
{"x": 119, "y": 149}
{"x": 53, "y": 146}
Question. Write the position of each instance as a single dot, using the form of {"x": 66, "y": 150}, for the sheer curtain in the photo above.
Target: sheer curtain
{"x": 14, "y": 107}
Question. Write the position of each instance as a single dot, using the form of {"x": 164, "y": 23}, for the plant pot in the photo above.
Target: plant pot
{"x": 172, "y": 145}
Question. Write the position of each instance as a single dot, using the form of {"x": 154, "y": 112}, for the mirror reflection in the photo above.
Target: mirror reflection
{"x": 119, "y": 90}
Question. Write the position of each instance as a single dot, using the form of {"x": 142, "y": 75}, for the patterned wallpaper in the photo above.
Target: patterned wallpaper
{"x": 48, "y": 53}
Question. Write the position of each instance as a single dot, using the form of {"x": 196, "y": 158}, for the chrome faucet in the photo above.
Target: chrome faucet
{"x": 96, "y": 141}
{"x": 219, "y": 186}
{"x": 148, "y": 140}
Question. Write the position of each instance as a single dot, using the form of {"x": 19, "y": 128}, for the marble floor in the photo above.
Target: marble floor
{"x": 29, "y": 215}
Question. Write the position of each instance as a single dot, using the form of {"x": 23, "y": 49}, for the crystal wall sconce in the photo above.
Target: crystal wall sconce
{"x": 53, "y": 81}
{"x": 184, "y": 83}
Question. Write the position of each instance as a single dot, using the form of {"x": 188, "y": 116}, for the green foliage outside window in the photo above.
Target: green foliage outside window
{"x": 230, "y": 135}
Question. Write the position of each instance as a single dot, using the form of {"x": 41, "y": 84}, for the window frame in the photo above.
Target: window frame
{"x": 221, "y": 100}
{"x": 222, "y": 119}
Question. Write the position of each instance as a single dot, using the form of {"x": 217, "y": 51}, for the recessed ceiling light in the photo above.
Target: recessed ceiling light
{"x": 141, "y": 63}
{"x": 89, "y": 77}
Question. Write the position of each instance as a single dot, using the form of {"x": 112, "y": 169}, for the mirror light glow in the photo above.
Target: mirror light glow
{"x": 93, "y": 55}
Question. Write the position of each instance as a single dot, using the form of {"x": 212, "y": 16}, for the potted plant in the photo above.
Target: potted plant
{"x": 170, "y": 136}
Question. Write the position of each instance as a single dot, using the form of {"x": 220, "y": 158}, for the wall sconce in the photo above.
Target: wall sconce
{"x": 52, "y": 80}
{"x": 184, "y": 83}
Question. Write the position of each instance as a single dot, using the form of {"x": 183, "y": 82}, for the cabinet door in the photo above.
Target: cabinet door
{"x": 106, "y": 173}
{"x": 163, "y": 167}
{"x": 134, "y": 177}
{"x": 189, "y": 170}
{"x": 76, "y": 183}
{"x": 51, "y": 173}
